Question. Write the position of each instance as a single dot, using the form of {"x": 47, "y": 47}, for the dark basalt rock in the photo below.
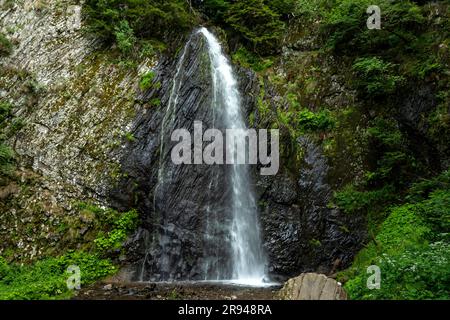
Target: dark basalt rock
{"x": 302, "y": 233}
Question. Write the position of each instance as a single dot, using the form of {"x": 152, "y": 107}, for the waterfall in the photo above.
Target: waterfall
{"x": 225, "y": 214}
{"x": 249, "y": 261}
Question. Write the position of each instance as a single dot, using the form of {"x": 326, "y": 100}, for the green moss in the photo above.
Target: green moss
{"x": 250, "y": 60}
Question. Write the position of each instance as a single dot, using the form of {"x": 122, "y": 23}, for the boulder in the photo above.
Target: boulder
{"x": 312, "y": 286}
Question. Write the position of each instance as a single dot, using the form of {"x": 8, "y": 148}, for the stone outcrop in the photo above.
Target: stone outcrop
{"x": 312, "y": 286}
{"x": 74, "y": 106}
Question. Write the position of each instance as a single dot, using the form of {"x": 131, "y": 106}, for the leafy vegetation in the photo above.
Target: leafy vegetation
{"x": 247, "y": 59}
{"x": 6, "y": 153}
{"x": 121, "y": 226}
{"x": 260, "y": 26}
{"x": 146, "y": 81}
{"x": 47, "y": 278}
{"x": 320, "y": 121}
{"x": 6, "y": 46}
{"x": 137, "y": 26}
{"x": 375, "y": 77}
{"x": 413, "y": 251}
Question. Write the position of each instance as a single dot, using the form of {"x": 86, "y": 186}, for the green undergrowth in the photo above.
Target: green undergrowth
{"x": 411, "y": 248}
{"x": 47, "y": 278}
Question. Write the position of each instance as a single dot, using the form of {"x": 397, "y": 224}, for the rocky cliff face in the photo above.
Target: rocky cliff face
{"x": 77, "y": 105}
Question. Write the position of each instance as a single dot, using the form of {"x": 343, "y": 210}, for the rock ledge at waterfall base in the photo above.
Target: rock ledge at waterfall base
{"x": 312, "y": 286}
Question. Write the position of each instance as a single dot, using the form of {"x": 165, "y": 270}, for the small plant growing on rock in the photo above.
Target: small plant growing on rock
{"x": 6, "y": 46}
{"x": 147, "y": 80}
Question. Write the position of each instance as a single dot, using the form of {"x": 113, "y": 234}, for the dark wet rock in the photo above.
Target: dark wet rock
{"x": 413, "y": 107}
{"x": 302, "y": 232}
{"x": 171, "y": 243}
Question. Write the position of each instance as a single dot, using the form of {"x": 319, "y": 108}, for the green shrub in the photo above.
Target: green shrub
{"x": 248, "y": 59}
{"x": 412, "y": 251}
{"x": 6, "y": 159}
{"x": 129, "y": 136}
{"x": 146, "y": 81}
{"x": 5, "y": 112}
{"x": 422, "y": 273}
{"x": 146, "y": 19}
{"x": 6, "y": 46}
{"x": 47, "y": 279}
{"x": 436, "y": 212}
{"x": 155, "y": 102}
{"x": 260, "y": 26}
{"x": 309, "y": 121}
{"x": 122, "y": 225}
{"x": 346, "y": 30}
{"x": 215, "y": 9}
{"x": 376, "y": 77}
{"x": 421, "y": 190}
{"x": 403, "y": 228}
{"x": 125, "y": 38}
{"x": 350, "y": 200}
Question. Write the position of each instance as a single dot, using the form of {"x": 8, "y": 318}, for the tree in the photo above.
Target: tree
{"x": 256, "y": 23}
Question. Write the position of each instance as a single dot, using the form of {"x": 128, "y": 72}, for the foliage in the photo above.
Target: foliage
{"x": 121, "y": 225}
{"x": 126, "y": 21}
{"x": 129, "y": 136}
{"x": 125, "y": 38}
{"x": 5, "y": 112}
{"x": 6, "y": 159}
{"x": 146, "y": 81}
{"x": 260, "y": 26}
{"x": 283, "y": 7}
{"x": 6, "y": 153}
{"x": 346, "y": 25}
{"x": 420, "y": 190}
{"x": 6, "y": 46}
{"x": 216, "y": 10}
{"x": 351, "y": 200}
{"x": 435, "y": 211}
{"x": 396, "y": 163}
{"x": 422, "y": 273}
{"x": 46, "y": 279}
{"x": 309, "y": 121}
{"x": 376, "y": 77}
{"x": 412, "y": 251}
{"x": 248, "y": 59}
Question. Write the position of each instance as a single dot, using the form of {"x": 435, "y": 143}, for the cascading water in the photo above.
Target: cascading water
{"x": 249, "y": 261}
{"x": 226, "y": 213}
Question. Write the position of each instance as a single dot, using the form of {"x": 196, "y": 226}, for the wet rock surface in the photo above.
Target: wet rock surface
{"x": 302, "y": 231}
{"x": 178, "y": 291}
